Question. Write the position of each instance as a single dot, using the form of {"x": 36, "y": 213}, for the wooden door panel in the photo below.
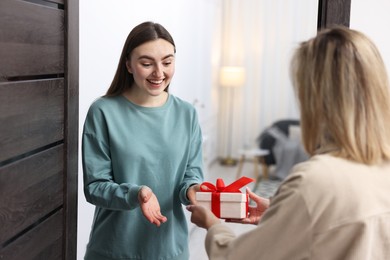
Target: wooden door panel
{"x": 35, "y": 110}
{"x": 31, "y": 39}
{"x": 27, "y": 59}
{"x": 41, "y": 242}
{"x": 30, "y": 189}
{"x": 38, "y": 128}
{"x": 333, "y": 12}
{"x": 58, "y": 1}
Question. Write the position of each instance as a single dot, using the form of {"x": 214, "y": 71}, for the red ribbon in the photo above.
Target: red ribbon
{"x": 220, "y": 187}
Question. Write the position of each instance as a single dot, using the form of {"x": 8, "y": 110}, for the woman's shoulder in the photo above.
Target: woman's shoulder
{"x": 103, "y": 103}
{"x": 337, "y": 191}
{"x": 181, "y": 103}
{"x": 323, "y": 173}
{"x": 320, "y": 171}
{"x": 103, "y": 106}
{"x": 320, "y": 163}
{"x": 326, "y": 165}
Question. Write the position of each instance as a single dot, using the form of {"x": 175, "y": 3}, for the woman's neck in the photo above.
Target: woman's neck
{"x": 146, "y": 100}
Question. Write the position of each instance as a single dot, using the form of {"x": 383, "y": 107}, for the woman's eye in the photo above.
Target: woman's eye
{"x": 167, "y": 63}
{"x": 146, "y": 64}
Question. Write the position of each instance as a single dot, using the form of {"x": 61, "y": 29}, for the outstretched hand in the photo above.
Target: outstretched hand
{"x": 254, "y": 212}
{"x": 150, "y": 206}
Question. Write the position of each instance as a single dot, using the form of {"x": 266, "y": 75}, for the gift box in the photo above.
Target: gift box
{"x": 226, "y": 202}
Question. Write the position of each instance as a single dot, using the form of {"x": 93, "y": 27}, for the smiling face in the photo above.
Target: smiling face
{"x": 152, "y": 65}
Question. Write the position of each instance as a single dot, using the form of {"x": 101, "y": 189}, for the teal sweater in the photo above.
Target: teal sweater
{"x": 125, "y": 146}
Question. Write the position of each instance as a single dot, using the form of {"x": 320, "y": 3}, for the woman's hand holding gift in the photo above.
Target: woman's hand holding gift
{"x": 191, "y": 193}
{"x": 202, "y": 217}
{"x": 254, "y": 212}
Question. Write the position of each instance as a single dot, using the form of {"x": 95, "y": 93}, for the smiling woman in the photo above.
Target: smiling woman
{"x": 196, "y": 37}
{"x": 152, "y": 67}
{"x": 135, "y": 172}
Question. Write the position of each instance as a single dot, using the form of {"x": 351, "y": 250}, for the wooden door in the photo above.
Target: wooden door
{"x": 38, "y": 129}
{"x": 332, "y": 12}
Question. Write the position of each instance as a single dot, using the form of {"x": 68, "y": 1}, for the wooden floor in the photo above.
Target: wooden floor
{"x": 228, "y": 174}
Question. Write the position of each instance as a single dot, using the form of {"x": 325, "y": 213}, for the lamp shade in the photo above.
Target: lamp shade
{"x": 232, "y": 76}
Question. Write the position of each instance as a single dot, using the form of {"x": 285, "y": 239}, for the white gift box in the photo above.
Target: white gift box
{"x": 232, "y": 205}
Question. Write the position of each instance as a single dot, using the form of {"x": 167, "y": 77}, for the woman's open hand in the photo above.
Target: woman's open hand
{"x": 150, "y": 206}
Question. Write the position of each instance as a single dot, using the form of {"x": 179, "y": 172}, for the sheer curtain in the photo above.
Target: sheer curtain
{"x": 260, "y": 35}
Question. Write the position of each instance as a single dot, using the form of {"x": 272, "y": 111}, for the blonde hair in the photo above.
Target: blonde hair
{"x": 341, "y": 83}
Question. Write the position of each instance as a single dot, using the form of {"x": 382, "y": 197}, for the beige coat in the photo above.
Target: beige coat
{"x": 328, "y": 208}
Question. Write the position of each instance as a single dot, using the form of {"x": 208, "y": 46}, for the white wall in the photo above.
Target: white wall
{"x": 373, "y": 19}
{"x": 104, "y": 26}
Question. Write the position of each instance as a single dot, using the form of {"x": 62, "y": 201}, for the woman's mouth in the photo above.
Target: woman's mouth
{"x": 155, "y": 82}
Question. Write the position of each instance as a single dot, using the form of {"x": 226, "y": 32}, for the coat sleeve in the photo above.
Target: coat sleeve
{"x": 284, "y": 232}
{"x": 100, "y": 188}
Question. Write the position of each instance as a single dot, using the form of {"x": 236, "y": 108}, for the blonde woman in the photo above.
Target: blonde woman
{"x": 335, "y": 205}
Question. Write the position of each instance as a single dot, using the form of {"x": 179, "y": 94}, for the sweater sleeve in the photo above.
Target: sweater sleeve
{"x": 286, "y": 224}
{"x": 193, "y": 173}
{"x": 100, "y": 188}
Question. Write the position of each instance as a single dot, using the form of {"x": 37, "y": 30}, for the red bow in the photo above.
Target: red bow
{"x": 220, "y": 187}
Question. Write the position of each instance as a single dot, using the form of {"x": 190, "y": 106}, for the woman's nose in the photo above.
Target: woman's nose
{"x": 158, "y": 71}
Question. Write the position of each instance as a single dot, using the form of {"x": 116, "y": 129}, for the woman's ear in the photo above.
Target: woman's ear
{"x": 128, "y": 67}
